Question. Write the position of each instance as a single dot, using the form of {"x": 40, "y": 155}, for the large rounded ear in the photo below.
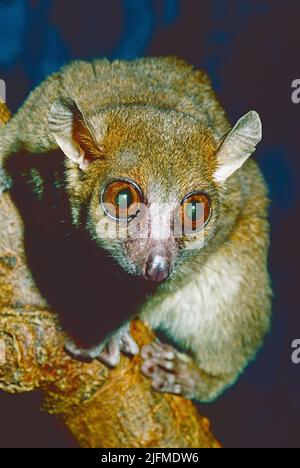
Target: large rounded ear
{"x": 238, "y": 145}
{"x": 72, "y": 133}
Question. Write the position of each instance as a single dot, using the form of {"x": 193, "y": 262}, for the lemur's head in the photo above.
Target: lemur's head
{"x": 150, "y": 180}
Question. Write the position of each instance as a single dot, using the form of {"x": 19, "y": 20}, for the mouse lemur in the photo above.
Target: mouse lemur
{"x": 172, "y": 197}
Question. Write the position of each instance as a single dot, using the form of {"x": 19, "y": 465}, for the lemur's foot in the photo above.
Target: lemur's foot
{"x": 109, "y": 351}
{"x": 170, "y": 371}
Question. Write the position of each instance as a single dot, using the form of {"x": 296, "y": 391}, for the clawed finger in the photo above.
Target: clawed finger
{"x": 158, "y": 350}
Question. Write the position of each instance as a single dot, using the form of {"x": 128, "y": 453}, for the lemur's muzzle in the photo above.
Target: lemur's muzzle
{"x": 157, "y": 268}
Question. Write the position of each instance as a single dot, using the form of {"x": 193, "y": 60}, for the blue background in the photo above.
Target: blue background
{"x": 250, "y": 50}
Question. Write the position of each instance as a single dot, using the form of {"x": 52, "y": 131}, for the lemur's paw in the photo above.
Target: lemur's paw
{"x": 127, "y": 344}
{"x": 169, "y": 370}
{"x": 109, "y": 351}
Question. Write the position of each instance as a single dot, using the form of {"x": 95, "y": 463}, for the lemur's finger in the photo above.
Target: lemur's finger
{"x": 165, "y": 386}
{"x": 129, "y": 345}
{"x": 111, "y": 354}
{"x": 157, "y": 350}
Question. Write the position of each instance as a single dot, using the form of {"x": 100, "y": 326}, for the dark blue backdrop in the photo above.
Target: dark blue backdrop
{"x": 249, "y": 48}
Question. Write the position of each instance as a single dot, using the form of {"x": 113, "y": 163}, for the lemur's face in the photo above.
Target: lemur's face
{"x": 149, "y": 180}
{"x": 152, "y": 196}
{"x": 153, "y": 203}
{"x": 152, "y": 231}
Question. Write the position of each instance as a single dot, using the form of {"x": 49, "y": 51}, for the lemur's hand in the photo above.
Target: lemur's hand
{"x": 170, "y": 371}
{"x": 109, "y": 351}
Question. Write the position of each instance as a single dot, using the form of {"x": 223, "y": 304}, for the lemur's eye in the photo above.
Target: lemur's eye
{"x": 195, "y": 212}
{"x": 121, "y": 200}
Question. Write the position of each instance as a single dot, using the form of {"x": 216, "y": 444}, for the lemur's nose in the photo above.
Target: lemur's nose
{"x": 157, "y": 268}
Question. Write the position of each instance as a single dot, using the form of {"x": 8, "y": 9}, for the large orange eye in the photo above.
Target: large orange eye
{"x": 121, "y": 200}
{"x": 195, "y": 212}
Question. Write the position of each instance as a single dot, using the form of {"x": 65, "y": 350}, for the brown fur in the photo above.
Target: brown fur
{"x": 157, "y": 122}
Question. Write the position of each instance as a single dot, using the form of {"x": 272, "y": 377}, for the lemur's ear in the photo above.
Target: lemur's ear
{"x": 238, "y": 145}
{"x": 72, "y": 133}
